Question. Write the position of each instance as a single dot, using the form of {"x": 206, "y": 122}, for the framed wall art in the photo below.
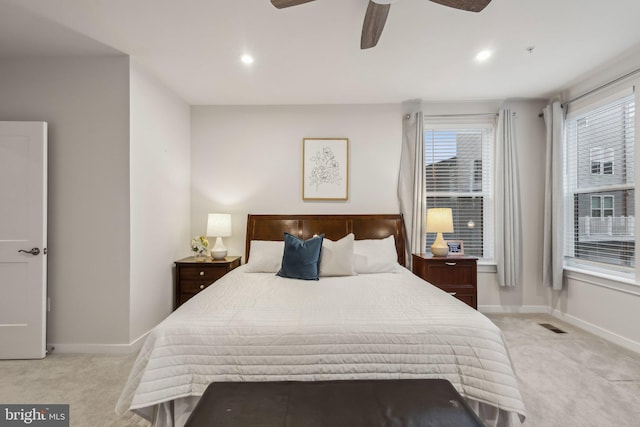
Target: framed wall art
{"x": 325, "y": 169}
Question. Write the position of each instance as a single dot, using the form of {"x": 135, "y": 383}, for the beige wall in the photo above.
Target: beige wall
{"x": 599, "y": 304}
{"x": 160, "y": 170}
{"x": 248, "y": 159}
{"x": 119, "y": 193}
{"x": 86, "y": 103}
{"x": 530, "y": 295}
{"x": 121, "y": 212}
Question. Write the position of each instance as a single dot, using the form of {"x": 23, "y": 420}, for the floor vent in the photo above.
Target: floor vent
{"x": 552, "y": 328}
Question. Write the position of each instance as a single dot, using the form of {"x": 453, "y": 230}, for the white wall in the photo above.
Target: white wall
{"x": 160, "y": 170}
{"x": 86, "y": 103}
{"x": 529, "y": 295}
{"x": 599, "y": 304}
{"x": 248, "y": 159}
{"x": 109, "y": 198}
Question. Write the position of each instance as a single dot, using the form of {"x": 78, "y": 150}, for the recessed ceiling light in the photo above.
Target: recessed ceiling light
{"x": 483, "y": 55}
{"x": 247, "y": 59}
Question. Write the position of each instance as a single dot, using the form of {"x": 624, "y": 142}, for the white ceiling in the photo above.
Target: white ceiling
{"x": 310, "y": 54}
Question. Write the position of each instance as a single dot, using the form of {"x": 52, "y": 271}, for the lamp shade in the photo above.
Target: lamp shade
{"x": 219, "y": 225}
{"x": 439, "y": 220}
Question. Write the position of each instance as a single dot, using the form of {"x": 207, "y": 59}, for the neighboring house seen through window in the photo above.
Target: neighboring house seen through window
{"x": 601, "y": 161}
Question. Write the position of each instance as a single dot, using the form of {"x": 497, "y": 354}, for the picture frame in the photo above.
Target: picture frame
{"x": 456, "y": 247}
{"x": 325, "y": 169}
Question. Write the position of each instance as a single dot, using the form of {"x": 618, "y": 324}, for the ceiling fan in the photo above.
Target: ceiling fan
{"x": 377, "y": 12}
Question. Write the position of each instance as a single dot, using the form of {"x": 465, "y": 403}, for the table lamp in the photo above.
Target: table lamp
{"x": 219, "y": 226}
{"x": 439, "y": 220}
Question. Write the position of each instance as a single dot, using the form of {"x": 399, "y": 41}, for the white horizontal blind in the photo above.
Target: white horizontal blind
{"x": 600, "y": 186}
{"x": 458, "y": 175}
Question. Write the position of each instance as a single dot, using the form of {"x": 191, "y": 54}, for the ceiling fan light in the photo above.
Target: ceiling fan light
{"x": 384, "y": 1}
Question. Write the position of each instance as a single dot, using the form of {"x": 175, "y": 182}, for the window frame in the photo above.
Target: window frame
{"x": 621, "y": 273}
{"x": 486, "y": 162}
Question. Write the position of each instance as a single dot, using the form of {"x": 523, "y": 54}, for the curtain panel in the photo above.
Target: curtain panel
{"x": 552, "y": 249}
{"x": 508, "y": 218}
{"x": 411, "y": 185}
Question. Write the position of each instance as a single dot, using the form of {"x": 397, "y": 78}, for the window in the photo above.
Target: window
{"x": 601, "y": 161}
{"x": 602, "y": 206}
{"x": 600, "y": 186}
{"x": 458, "y": 175}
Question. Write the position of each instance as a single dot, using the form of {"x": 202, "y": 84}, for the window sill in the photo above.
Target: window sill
{"x": 487, "y": 267}
{"x": 616, "y": 283}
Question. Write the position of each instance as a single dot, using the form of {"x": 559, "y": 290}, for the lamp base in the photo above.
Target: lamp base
{"x": 439, "y": 247}
{"x": 219, "y": 250}
{"x": 219, "y": 254}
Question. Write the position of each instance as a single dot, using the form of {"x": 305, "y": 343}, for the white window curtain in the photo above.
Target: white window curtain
{"x": 552, "y": 249}
{"x": 411, "y": 193}
{"x": 508, "y": 219}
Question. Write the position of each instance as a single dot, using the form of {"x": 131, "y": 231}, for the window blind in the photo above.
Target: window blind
{"x": 458, "y": 165}
{"x": 600, "y": 186}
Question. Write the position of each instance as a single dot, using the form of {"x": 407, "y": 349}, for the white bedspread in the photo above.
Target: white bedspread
{"x": 260, "y": 327}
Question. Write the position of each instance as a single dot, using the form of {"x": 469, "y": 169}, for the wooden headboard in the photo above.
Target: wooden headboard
{"x": 334, "y": 227}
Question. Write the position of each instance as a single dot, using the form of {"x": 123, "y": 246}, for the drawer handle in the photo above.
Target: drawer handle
{"x": 450, "y": 263}
{"x": 201, "y": 286}
{"x": 453, "y": 294}
{"x": 202, "y": 273}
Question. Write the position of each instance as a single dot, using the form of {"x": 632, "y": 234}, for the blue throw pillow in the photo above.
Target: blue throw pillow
{"x": 301, "y": 257}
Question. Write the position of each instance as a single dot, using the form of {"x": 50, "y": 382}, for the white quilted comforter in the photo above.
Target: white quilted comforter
{"x": 260, "y": 327}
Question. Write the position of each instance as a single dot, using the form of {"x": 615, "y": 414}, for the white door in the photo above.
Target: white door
{"x": 23, "y": 239}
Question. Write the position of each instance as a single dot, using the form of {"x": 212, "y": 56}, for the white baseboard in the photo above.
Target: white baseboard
{"x": 132, "y": 347}
{"x": 514, "y": 309}
{"x": 597, "y": 330}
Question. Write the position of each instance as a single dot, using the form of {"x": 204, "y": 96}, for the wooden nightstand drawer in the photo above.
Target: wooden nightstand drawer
{"x": 202, "y": 273}
{"x": 451, "y": 272}
{"x": 456, "y": 275}
{"x": 194, "y": 286}
{"x": 193, "y": 276}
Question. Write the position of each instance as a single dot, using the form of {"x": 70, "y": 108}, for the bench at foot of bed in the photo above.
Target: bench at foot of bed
{"x": 360, "y": 403}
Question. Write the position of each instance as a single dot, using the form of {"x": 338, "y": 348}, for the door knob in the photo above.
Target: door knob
{"x": 33, "y": 251}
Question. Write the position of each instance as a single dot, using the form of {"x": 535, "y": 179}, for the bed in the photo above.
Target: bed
{"x": 382, "y": 322}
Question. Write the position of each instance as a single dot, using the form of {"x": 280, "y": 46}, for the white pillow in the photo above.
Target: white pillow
{"x": 336, "y": 258}
{"x": 375, "y": 256}
{"x": 265, "y": 256}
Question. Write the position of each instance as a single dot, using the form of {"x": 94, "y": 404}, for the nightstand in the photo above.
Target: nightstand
{"x": 457, "y": 275}
{"x": 193, "y": 276}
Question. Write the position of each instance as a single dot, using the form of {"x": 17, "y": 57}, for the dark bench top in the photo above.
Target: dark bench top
{"x": 351, "y": 403}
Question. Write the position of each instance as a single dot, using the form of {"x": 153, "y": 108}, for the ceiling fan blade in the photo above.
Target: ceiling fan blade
{"x": 468, "y": 5}
{"x": 373, "y": 25}
{"x": 281, "y": 4}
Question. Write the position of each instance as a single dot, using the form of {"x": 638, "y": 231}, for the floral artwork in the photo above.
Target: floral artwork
{"x": 325, "y": 169}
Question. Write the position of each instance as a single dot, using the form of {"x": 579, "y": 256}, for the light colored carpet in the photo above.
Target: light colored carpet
{"x": 567, "y": 380}
{"x": 90, "y": 384}
{"x": 574, "y": 379}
